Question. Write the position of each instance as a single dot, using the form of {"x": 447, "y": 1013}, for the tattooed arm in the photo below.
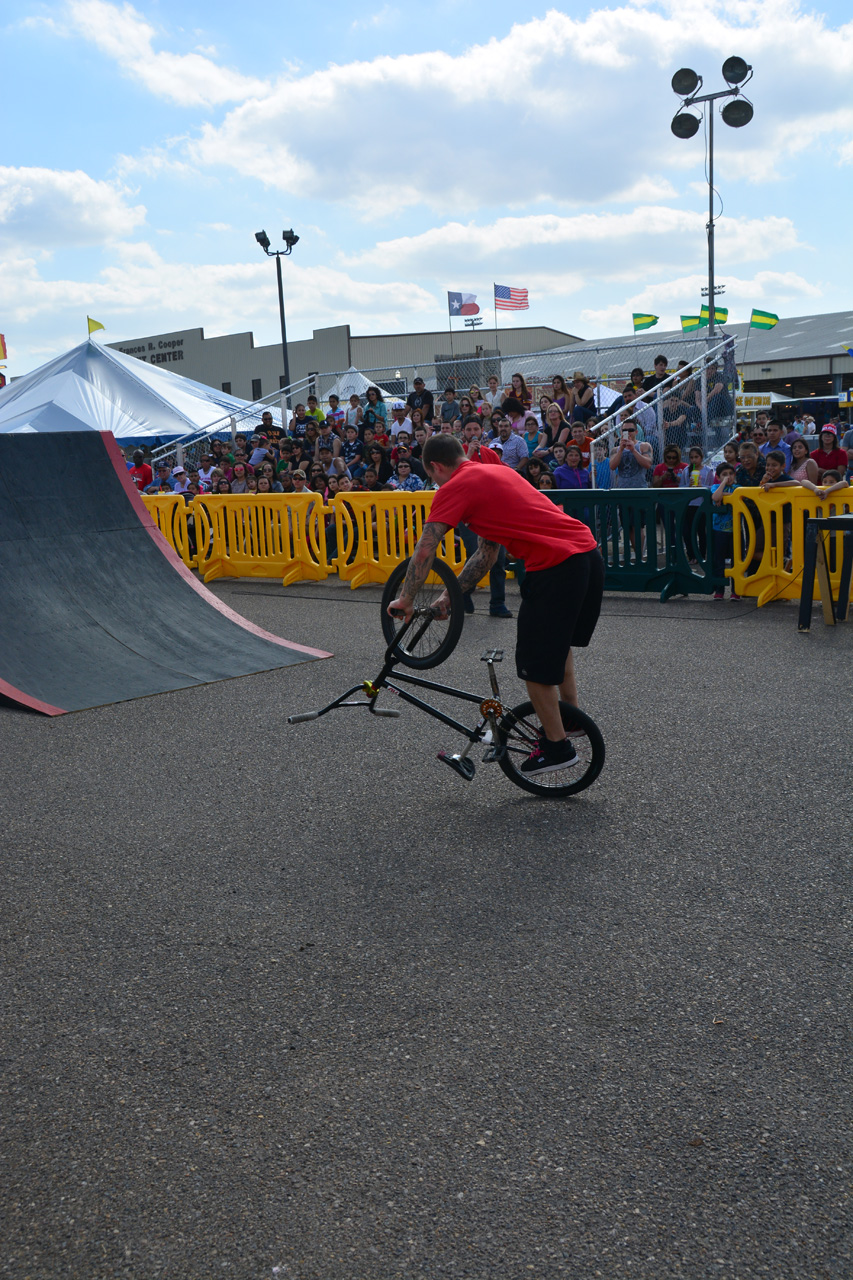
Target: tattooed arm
{"x": 419, "y": 567}
{"x": 479, "y": 564}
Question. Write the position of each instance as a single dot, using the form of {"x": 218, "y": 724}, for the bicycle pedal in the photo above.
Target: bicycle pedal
{"x": 459, "y": 764}
{"x": 493, "y": 754}
{"x": 493, "y": 655}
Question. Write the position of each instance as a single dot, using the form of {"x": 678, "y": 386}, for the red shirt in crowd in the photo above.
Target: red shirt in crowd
{"x": 671, "y": 481}
{"x": 142, "y": 476}
{"x": 835, "y": 460}
{"x": 501, "y": 506}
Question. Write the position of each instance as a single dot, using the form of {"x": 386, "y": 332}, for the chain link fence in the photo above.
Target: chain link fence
{"x": 608, "y": 367}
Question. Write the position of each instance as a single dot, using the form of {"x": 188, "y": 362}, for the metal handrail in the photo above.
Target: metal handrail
{"x": 703, "y": 360}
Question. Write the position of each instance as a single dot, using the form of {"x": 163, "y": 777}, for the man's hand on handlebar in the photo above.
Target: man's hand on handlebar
{"x": 441, "y": 606}
{"x": 401, "y": 609}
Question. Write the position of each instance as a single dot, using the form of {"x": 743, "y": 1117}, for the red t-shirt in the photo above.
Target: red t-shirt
{"x": 501, "y": 506}
{"x": 485, "y": 454}
{"x": 835, "y": 460}
{"x": 143, "y": 476}
{"x": 671, "y": 481}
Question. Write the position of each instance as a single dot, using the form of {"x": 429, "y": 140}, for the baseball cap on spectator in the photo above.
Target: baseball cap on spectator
{"x": 397, "y": 404}
{"x": 301, "y": 473}
{"x": 162, "y": 466}
{"x": 827, "y": 426}
{"x": 418, "y": 380}
{"x": 179, "y": 471}
{"x": 325, "y": 448}
{"x": 255, "y": 439}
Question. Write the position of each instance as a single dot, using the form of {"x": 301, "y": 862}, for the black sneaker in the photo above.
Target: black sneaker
{"x": 550, "y": 757}
{"x": 468, "y": 602}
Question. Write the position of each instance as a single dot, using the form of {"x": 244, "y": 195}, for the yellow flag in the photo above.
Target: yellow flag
{"x": 94, "y": 324}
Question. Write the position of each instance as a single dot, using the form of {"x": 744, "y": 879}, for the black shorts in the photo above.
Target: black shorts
{"x": 559, "y": 608}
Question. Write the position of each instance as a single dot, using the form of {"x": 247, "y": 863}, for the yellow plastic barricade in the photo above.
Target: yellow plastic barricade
{"x": 375, "y": 531}
{"x": 172, "y": 517}
{"x": 769, "y": 540}
{"x": 270, "y": 535}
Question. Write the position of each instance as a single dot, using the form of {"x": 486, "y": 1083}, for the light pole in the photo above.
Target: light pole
{"x": 289, "y": 241}
{"x": 685, "y": 124}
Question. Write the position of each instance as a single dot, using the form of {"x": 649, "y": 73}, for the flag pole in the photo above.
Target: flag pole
{"x": 497, "y": 341}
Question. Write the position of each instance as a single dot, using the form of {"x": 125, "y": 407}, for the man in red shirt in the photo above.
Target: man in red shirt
{"x": 140, "y": 473}
{"x": 562, "y": 588}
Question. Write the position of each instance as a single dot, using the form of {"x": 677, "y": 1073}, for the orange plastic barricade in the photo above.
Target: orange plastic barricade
{"x": 270, "y": 535}
{"x": 173, "y": 518}
{"x": 769, "y": 540}
{"x": 375, "y": 531}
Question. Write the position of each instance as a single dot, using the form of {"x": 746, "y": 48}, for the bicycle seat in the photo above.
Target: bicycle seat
{"x": 493, "y": 655}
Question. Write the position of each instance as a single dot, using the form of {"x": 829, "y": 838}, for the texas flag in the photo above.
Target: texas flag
{"x": 462, "y": 304}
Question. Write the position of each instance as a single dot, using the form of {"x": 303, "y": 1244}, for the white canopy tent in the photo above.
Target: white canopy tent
{"x": 95, "y": 388}
{"x": 353, "y": 383}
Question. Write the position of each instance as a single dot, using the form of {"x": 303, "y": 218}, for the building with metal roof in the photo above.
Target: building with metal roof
{"x": 800, "y": 357}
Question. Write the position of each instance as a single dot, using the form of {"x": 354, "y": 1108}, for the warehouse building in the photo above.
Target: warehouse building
{"x": 801, "y": 358}
{"x": 232, "y": 363}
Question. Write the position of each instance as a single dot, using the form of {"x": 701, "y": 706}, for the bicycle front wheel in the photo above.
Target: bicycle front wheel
{"x": 427, "y": 642}
{"x": 518, "y": 734}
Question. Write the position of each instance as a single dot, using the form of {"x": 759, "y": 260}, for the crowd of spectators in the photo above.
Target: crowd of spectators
{"x": 375, "y": 445}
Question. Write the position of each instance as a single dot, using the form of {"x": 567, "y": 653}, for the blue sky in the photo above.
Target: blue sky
{"x": 519, "y": 144}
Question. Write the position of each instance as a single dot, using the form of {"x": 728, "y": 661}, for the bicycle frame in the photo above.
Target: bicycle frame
{"x": 490, "y": 707}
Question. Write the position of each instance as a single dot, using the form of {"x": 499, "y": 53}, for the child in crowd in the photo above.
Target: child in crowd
{"x": 723, "y": 525}
{"x": 572, "y": 474}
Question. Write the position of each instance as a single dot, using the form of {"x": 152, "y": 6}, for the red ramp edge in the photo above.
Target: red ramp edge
{"x": 27, "y": 700}
{"x": 117, "y": 459}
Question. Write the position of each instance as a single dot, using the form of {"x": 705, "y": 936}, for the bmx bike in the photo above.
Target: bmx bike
{"x": 509, "y": 734}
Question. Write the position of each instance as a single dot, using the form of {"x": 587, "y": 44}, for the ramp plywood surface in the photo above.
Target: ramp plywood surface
{"x": 95, "y": 607}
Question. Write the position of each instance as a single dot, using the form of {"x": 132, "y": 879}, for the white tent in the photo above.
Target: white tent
{"x": 353, "y": 383}
{"x": 93, "y": 387}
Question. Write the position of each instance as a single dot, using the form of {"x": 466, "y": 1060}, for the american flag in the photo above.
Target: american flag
{"x": 509, "y": 299}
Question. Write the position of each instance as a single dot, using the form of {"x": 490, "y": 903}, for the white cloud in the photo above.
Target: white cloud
{"x": 674, "y": 230}
{"x": 189, "y": 79}
{"x": 45, "y": 208}
{"x": 384, "y": 17}
{"x": 586, "y": 117}
{"x": 142, "y": 292}
{"x": 155, "y": 162}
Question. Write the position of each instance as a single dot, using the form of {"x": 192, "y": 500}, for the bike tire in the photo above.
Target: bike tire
{"x": 442, "y": 634}
{"x": 518, "y": 731}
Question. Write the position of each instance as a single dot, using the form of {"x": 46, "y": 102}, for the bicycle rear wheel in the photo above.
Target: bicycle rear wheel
{"x": 428, "y": 641}
{"x": 518, "y": 734}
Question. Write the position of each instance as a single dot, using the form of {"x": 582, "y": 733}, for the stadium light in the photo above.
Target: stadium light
{"x": 685, "y": 124}
{"x": 290, "y": 240}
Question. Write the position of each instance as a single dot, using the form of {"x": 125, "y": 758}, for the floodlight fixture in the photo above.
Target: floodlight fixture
{"x": 290, "y": 239}
{"x": 737, "y": 113}
{"x": 735, "y": 70}
{"x": 685, "y": 82}
{"x": 685, "y": 124}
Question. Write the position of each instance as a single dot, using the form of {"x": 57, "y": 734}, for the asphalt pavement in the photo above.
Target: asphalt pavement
{"x": 300, "y": 1003}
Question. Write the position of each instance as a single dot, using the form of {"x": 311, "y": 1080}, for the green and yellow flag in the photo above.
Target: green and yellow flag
{"x": 690, "y": 323}
{"x": 721, "y": 315}
{"x": 94, "y": 324}
{"x": 762, "y": 319}
{"x": 642, "y": 320}
{"x": 2, "y": 347}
